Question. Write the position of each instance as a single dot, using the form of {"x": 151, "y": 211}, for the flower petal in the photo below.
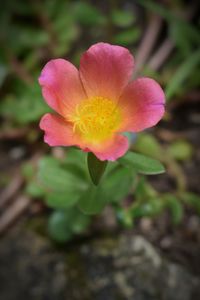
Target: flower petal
{"x": 105, "y": 70}
{"x": 57, "y": 131}
{"x": 111, "y": 150}
{"x": 61, "y": 85}
{"x": 142, "y": 104}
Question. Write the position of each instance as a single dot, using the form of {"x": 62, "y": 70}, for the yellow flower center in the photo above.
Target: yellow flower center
{"x": 96, "y": 118}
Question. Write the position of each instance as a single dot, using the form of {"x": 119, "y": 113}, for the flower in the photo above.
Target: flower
{"x": 96, "y": 104}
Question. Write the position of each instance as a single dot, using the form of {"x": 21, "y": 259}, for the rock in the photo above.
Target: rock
{"x": 110, "y": 268}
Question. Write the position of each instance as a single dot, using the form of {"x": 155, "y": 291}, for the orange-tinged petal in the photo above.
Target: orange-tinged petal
{"x": 61, "y": 86}
{"x": 57, "y": 131}
{"x": 111, "y": 150}
{"x": 142, "y": 104}
{"x": 105, "y": 70}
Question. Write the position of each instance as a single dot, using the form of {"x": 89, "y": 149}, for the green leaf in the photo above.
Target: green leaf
{"x": 35, "y": 190}
{"x": 93, "y": 200}
{"x": 63, "y": 224}
{"x": 124, "y": 217}
{"x": 122, "y": 18}
{"x": 28, "y": 171}
{"x": 96, "y": 168}
{"x": 150, "y": 208}
{"x": 24, "y": 106}
{"x": 143, "y": 190}
{"x": 181, "y": 38}
{"x": 180, "y": 150}
{"x": 63, "y": 186}
{"x": 62, "y": 200}
{"x": 127, "y": 37}
{"x": 148, "y": 145}
{"x": 142, "y": 164}
{"x": 58, "y": 179}
{"x": 175, "y": 208}
{"x": 58, "y": 227}
{"x": 87, "y": 14}
{"x": 192, "y": 200}
{"x": 183, "y": 72}
{"x": 115, "y": 185}
{"x": 118, "y": 183}
{"x": 80, "y": 223}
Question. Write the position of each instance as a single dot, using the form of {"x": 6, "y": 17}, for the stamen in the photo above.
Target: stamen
{"x": 96, "y": 118}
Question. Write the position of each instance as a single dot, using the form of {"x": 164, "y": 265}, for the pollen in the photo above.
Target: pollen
{"x": 96, "y": 119}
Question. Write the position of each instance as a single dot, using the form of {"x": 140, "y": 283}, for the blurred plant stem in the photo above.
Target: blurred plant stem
{"x": 148, "y": 41}
{"x": 46, "y": 24}
{"x": 177, "y": 172}
{"x": 18, "y": 67}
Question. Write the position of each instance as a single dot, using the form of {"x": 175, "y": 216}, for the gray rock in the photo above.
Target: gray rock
{"x": 110, "y": 268}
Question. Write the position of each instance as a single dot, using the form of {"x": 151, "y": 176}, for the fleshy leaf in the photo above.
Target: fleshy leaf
{"x": 93, "y": 200}
{"x": 142, "y": 164}
{"x": 96, "y": 168}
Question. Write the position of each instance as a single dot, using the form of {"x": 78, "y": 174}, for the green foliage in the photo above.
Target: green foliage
{"x": 63, "y": 225}
{"x": 65, "y": 29}
{"x": 25, "y": 106}
{"x": 129, "y": 32}
{"x": 182, "y": 73}
{"x": 180, "y": 150}
{"x": 122, "y": 18}
{"x": 186, "y": 38}
{"x": 118, "y": 182}
{"x": 96, "y": 168}
{"x": 149, "y": 203}
{"x": 93, "y": 200}
{"x": 151, "y": 208}
{"x": 148, "y": 145}
{"x": 65, "y": 184}
{"x": 192, "y": 200}
{"x": 174, "y": 19}
{"x": 142, "y": 164}
{"x": 175, "y": 206}
{"x": 88, "y": 14}
{"x": 35, "y": 190}
{"x": 112, "y": 189}
{"x": 127, "y": 37}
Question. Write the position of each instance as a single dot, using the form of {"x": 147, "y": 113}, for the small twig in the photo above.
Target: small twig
{"x": 10, "y": 190}
{"x": 148, "y": 41}
{"x": 161, "y": 55}
{"x": 168, "y": 45}
{"x": 168, "y": 135}
{"x": 13, "y": 133}
{"x": 15, "y": 185}
{"x": 20, "y": 205}
{"x": 176, "y": 171}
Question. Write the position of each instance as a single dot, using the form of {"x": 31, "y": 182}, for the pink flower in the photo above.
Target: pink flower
{"x": 96, "y": 104}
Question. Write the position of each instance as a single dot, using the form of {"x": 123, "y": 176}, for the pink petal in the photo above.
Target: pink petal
{"x": 105, "y": 70}
{"x": 111, "y": 150}
{"x": 61, "y": 85}
{"x": 142, "y": 103}
{"x": 57, "y": 131}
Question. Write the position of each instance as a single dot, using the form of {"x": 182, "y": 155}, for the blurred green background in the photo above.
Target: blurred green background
{"x": 164, "y": 38}
{"x": 47, "y": 191}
